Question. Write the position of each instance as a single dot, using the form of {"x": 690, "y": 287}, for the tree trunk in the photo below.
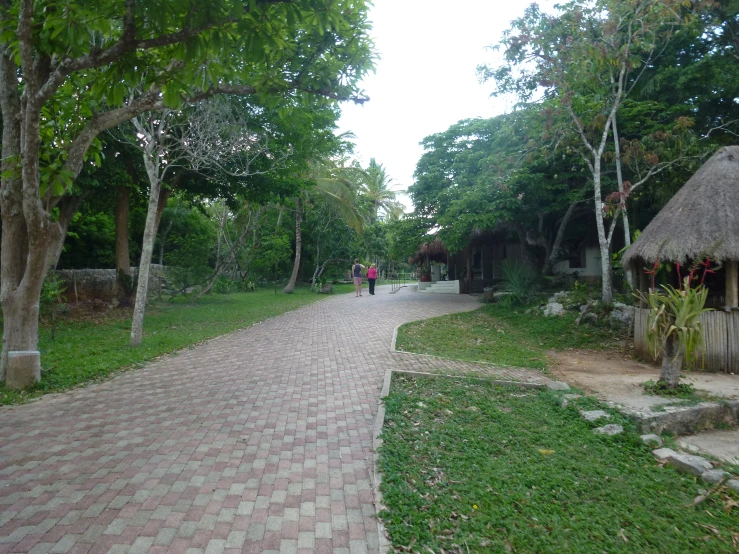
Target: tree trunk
{"x": 554, "y": 254}
{"x": 624, "y": 213}
{"x": 672, "y": 363}
{"x": 122, "y": 205}
{"x": 525, "y": 251}
{"x": 164, "y": 193}
{"x": 603, "y": 242}
{"x": 147, "y": 247}
{"x": 163, "y": 240}
{"x": 468, "y": 253}
{"x": 290, "y": 287}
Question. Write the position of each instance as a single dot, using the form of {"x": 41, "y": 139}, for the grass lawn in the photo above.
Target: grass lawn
{"x": 501, "y": 336}
{"x": 469, "y": 467}
{"x": 92, "y": 349}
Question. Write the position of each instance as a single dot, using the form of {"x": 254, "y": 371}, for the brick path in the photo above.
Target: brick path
{"x": 258, "y": 441}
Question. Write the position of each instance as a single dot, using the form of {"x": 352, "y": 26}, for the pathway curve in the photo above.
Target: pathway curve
{"x": 258, "y": 441}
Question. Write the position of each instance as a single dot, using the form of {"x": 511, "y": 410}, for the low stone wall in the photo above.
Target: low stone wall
{"x": 84, "y": 285}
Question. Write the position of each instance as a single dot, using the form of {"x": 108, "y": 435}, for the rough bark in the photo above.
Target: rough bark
{"x": 22, "y": 268}
{"x": 672, "y": 363}
{"x": 290, "y": 287}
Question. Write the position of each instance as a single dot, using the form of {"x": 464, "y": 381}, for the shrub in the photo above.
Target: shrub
{"x": 519, "y": 281}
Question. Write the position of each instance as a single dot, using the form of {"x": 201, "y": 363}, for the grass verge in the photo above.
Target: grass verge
{"x": 88, "y": 351}
{"x": 468, "y": 466}
{"x": 500, "y": 335}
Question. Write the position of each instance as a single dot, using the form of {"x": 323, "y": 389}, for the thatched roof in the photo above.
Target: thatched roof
{"x": 702, "y": 219}
{"x": 433, "y": 251}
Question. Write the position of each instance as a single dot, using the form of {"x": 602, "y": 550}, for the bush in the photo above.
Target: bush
{"x": 519, "y": 281}
{"x": 223, "y": 285}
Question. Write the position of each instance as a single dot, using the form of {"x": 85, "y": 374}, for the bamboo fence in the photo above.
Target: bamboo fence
{"x": 720, "y": 351}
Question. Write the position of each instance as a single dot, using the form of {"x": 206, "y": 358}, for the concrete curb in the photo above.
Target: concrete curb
{"x": 500, "y": 382}
{"x": 383, "y": 540}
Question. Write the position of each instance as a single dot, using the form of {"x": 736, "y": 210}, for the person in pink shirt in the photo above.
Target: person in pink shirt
{"x": 371, "y": 278}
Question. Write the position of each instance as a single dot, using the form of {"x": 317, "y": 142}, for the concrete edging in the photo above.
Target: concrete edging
{"x": 683, "y": 420}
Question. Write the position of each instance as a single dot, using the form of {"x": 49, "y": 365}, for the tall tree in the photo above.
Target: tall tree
{"x": 588, "y": 58}
{"x": 65, "y": 76}
{"x": 377, "y": 190}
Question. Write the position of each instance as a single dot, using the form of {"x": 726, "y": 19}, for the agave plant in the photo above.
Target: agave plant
{"x": 674, "y": 330}
{"x": 519, "y": 281}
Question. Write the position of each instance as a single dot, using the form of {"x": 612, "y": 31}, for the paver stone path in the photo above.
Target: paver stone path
{"x": 258, "y": 441}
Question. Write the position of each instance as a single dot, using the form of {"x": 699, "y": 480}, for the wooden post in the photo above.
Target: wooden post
{"x": 469, "y": 269}
{"x": 732, "y": 284}
{"x": 643, "y": 288}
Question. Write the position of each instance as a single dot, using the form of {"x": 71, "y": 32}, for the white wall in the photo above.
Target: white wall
{"x": 592, "y": 264}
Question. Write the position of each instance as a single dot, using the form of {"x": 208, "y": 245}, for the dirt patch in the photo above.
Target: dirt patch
{"x": 614, "y": 377}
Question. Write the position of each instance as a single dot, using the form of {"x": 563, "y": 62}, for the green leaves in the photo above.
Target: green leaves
{"x": 676, "y": 313}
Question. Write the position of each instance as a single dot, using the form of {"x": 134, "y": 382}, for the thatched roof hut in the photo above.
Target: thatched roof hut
{"x": 701, "y": 220}
{"x": 433, "y": 251}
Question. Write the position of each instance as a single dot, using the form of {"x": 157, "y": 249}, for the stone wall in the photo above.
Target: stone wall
{"x": 84, "y": 285}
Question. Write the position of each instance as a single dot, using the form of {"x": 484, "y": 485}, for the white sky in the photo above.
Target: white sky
{"x": 426, "y": 78}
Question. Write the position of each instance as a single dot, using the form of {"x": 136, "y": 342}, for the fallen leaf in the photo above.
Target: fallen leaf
{"x": 546, "y": 452}
{"x": 623, "y": 535}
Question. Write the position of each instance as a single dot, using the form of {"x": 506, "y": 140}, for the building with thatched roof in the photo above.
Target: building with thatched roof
{"x": 700, "y": 221}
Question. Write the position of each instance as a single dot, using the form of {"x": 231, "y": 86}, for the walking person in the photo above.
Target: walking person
{"x": 371, "y": 278}
{"x": 357, "y": 273}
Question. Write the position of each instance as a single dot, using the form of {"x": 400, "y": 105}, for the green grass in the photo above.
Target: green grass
{"x": 468, "y": 466}
{"x": 500, "y": 335}
{"x": 87, "y": 351}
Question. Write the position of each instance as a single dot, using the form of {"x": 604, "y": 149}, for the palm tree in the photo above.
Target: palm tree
{"x": 376, "y": 187}
{"x": 338, "y": 194}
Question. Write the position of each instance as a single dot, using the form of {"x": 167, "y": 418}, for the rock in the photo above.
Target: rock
{"x": 688, "y": 447}
{"x": 558, "y": 385}
{"x": 685, "y": 463}
{"x": 566, "y": 398}
{"x": 622, "y": 315}
{"x": 733, "y": 484}
{"x": 610, "y": 430}
{"x": 663, "y": 453}
{"x": 586, "y": 317}
{"x": 554, "y": 309}
{"x": 594, "y": 415}
{"x": 561, "y": 295}
{"x": 652, "y": 439}
{"x": 714, "y": 475}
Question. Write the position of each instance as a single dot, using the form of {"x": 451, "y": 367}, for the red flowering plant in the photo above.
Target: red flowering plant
{"x": 674, "y": 329}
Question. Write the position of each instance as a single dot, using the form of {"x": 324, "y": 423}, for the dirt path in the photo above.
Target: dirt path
{"x": 612, "y": 376}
